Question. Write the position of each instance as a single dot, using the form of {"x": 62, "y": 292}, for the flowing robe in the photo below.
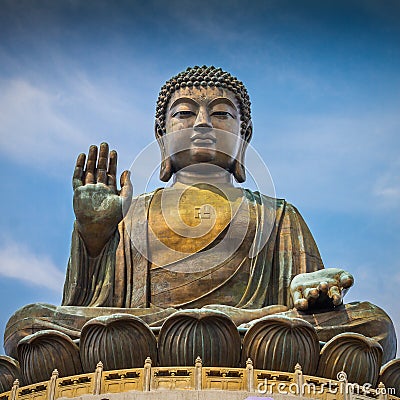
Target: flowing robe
{"x": 122, "y": 276}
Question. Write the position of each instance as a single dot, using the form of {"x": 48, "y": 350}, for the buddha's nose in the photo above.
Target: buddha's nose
{"x": 203, "y": 120}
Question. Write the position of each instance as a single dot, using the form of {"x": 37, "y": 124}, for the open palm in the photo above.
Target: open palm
{"x": 98, "y": 204}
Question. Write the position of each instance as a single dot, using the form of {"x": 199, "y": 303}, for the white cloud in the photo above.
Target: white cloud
{"x": 31, "y": 129}
{"x": 18, "y": 262}
{"x": 46, "y": 125}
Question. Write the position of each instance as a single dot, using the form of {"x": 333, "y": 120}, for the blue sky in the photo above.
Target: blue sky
{"x": 325, "y": 87}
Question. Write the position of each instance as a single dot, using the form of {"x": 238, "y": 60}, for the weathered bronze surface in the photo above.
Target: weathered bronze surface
{"x": 390, "y": 375}
{"x": 358, "y": 317}
{"x": 273, "y": 336}
{"x": 210, "y": 335}
{"x": 40, "y": 352}
{"x": 356, "y": 354}
{"x": 202, "y": 244}
{"x": 119, "y": 341}
{"x": 9, "y": 371}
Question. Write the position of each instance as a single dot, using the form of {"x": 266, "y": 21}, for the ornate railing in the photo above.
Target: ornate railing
{"x": 198, "y": 377}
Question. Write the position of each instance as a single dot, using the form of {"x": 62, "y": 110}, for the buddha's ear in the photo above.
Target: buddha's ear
{"x": 239, "y": 171}
{"x": 166, "y": 165}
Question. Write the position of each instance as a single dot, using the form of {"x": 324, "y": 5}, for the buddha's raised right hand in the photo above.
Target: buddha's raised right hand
{"x": 98, "y": 204}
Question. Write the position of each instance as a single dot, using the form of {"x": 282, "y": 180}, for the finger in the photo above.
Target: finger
{"x": 101, "y": 173}
{"x": 311, "y": 293}
{"x": 346, "y": 280}
{"x": 299, "y": 302}
{"x": 334, "y": 294}
{"x": 78, "y": 172}
{"x": 323, "y": 287}
{"x": 112, "y": 171}
{"x": 91, "y": 164}
{"x": 126, "y": 185}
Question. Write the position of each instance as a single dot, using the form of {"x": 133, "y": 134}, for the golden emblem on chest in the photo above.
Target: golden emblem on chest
{"x": 189, "y": 219}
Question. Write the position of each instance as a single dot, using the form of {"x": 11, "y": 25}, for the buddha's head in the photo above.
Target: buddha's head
{"x": 206, "y": 112}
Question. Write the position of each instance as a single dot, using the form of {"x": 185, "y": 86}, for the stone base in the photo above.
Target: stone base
{"x": 189, "y": 395}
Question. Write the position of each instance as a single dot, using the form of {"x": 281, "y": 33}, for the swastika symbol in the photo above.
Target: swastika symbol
{"x": 202, "y": 212}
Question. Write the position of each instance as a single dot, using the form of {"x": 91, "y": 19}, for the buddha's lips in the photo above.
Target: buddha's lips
{"x": 203, "y": 138}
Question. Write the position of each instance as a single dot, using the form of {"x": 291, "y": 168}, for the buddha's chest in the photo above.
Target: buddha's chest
{"x": 199, "y": 240}
{"x": 188, "y": 221}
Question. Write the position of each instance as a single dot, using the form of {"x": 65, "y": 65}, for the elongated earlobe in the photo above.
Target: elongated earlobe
{"x": 239, "y": 171}
{"x": 166, "y": 165}
{"x": 165, "y": 170}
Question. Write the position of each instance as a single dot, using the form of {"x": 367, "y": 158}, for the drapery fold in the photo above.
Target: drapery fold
{"x": 121, "y": 276}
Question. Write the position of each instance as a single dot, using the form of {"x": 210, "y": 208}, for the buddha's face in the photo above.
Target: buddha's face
{"x": 204, "y": 127}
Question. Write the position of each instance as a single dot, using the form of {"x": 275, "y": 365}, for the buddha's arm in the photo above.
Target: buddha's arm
{"x": 295, "y": 252}
{"x": 98, "y": 207}
{"x": 90, "y": 280}
{"x": 242, "y": 315}
{"x": 301, "y": 270}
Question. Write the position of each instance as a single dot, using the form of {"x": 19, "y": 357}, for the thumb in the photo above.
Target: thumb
{"x": 346, "y": 280}
{"x": 126, "y": 185}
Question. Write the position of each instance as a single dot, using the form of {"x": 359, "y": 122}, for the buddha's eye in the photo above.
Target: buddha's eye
{"x": 183, "y": 114}
{"x": 222, "y": 114}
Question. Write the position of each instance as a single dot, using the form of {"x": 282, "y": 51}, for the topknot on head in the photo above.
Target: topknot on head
{"x": 205, "y": 76}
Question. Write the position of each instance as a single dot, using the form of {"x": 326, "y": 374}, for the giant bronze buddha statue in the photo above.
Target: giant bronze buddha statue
{"x": 201, "y": 255}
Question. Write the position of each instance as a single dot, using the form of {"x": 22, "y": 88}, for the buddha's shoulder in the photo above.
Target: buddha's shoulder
{"x": 278, "y": 204}
{"x": 252, "y": 196}
{"x": 264, "y": 199}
